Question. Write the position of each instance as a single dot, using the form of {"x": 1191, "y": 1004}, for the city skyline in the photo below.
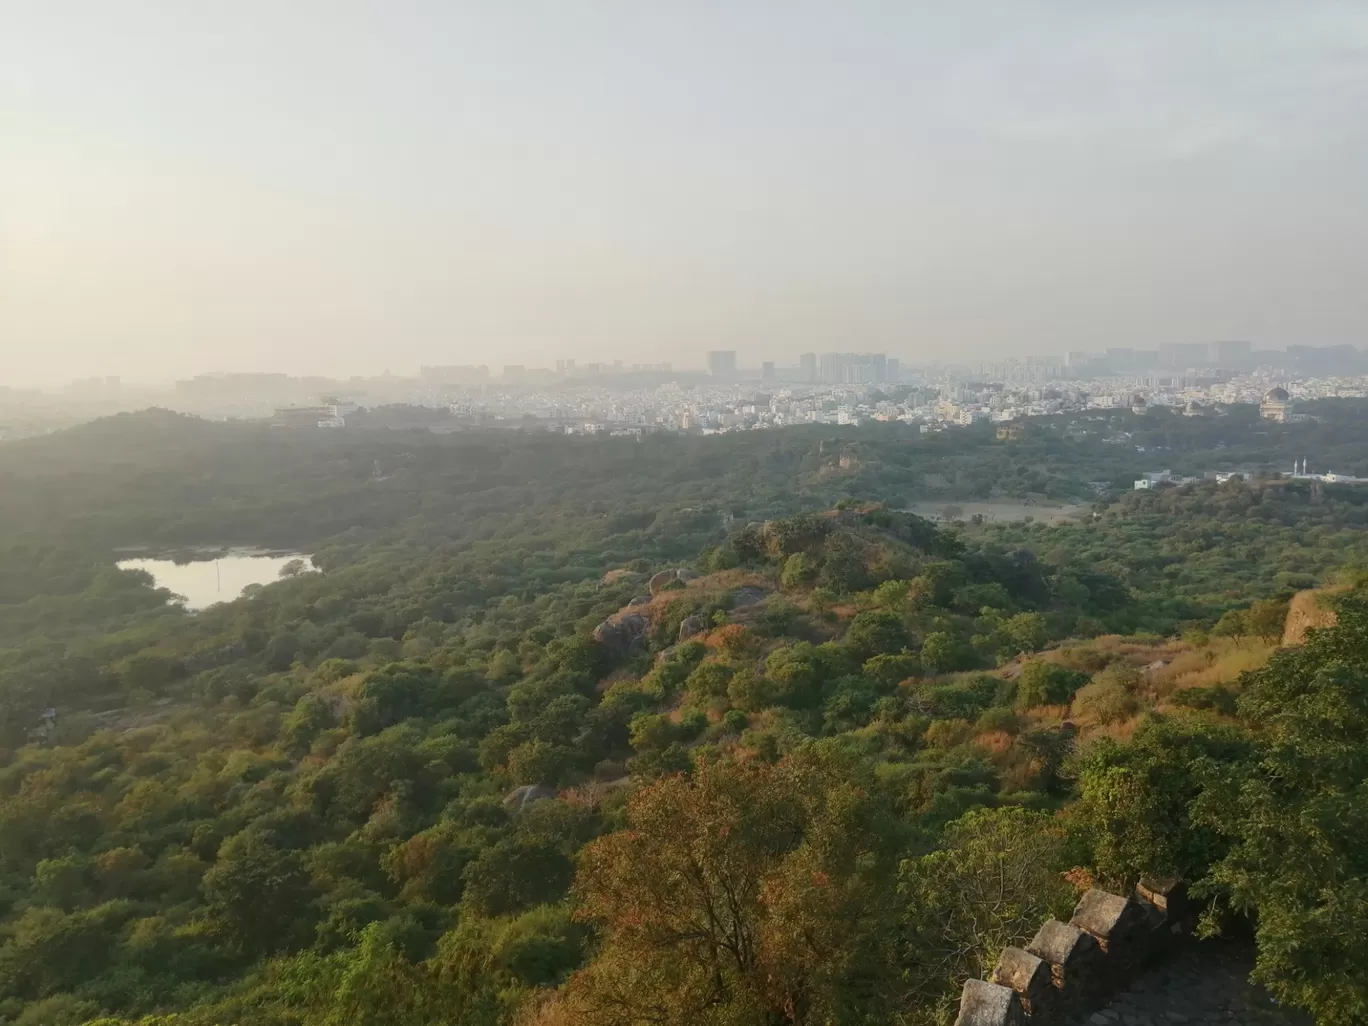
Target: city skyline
{"x": 346, "y": 187}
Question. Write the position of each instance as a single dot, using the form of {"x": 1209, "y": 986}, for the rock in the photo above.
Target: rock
{"x": 621, "y": 633}
{"x": 640, "y": 600}
{"x": 661, "y": 580}
{"x": 521, "y": 797}
{"x": 691, "y": 625}
{"x": 747, "y": 596}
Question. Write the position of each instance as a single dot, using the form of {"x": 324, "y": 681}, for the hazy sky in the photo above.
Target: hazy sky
{"x": 344, "y": 187}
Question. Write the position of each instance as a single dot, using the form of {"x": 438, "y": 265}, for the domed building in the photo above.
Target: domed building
{"x": 1194, "y": 409}
{"x": 1277, "y": 405}
{"x": 1138, "y": 405}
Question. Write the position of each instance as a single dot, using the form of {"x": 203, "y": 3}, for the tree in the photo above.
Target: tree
{"x": 943, "y": 653}
{"x": 1045, "y": 683}
{"x": 1136, "y": 800}
{"x": 747, "y": 894}
{"x": 1267, "y": 618}
{"x": 517, "y": 873}
{"x": 995, "y": 878}
{"x": 258, "y": 895}
{"x": 877, "y": 632}
{"x": 890, "y": 670}
{"x": 1294, "y": 817}
{"x": 1024, "y": 632}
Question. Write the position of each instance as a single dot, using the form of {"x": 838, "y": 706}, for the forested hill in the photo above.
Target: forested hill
{"x": 598, "y": 731}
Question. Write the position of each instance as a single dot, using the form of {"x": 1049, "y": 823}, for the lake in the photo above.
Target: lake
{"x": 215, "y": 578}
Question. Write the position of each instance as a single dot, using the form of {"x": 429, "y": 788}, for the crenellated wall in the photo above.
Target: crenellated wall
{"x": 1071, "y": 969}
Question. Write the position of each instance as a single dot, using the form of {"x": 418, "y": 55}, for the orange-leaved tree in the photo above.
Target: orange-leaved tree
{"x": 743, "y": 893}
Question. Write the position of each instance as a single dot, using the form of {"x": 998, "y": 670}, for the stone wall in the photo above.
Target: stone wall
{"x": 1071, "y": 969}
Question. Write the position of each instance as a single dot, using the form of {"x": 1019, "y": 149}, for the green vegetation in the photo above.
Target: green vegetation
{"x": 822, "y": 778}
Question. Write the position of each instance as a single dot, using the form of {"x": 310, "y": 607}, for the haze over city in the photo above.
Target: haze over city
{"x": 343, "y": 188}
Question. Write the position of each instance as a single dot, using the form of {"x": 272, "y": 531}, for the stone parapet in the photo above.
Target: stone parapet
{"x": 1070, "y": 969}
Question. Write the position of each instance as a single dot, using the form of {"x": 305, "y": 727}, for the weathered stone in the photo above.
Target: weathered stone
{"x": 1028, "y": 975}
{"x": 621, "y": 633}
{"x": 640, "y": 600}
{"x": 747, "y": 596}
{"x": 690, "y": 626}
{"x": 988, "y": 1004}
{"x": 1169, "y": 895}
{"x": 666, "y": 577}
{"x": 1062, "y": 945}
{"x": 1075, "y": 964}
{"x": 1113, "y": 920}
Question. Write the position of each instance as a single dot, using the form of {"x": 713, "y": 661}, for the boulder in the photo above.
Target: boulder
{"x": 640, "y": 600}
{"x": 747, "y": 596}
{"x": 661, "y": 580}
{"x": 622, "y": 633}
{"x": 691, "y": 625}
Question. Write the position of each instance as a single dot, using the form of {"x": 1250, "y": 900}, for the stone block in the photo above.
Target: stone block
{"x": 1115, "y": 922}
{"x": 1075, "y": 963}
{"x": 1168, "y": 895}
{"x": 989, "y": 1004}
{"x": 1029, "y": 975}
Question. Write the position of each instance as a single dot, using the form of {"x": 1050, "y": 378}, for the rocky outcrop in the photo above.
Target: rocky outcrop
{"x": 659, "y": 581}
{"x": 620, "y": 634}
{"x": 1070, "y": 969}
{"x": 748, "y": 595}
{"x": 1307, "y": 610}
{"x": 691, "y": 625}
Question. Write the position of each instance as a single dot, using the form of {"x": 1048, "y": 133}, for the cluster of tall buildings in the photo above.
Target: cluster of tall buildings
{"x": 1231, "y": 356}
{"x": 824, "y": 369}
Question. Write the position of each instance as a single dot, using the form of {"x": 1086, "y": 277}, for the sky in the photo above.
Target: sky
{"x": 346, "y": 187}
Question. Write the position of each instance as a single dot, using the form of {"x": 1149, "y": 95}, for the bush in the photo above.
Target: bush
{"x": 1043, "y": 683}
{"x": 999, "y": 718}
{"x": 735, "y": 721}
{"x": 877, "y": 632}
{"x": 1105, "y": 702}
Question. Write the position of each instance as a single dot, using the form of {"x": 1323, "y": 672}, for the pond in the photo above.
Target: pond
{"x": 214, "y": 577}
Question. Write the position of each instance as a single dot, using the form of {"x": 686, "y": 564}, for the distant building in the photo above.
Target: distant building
{"x": 1178, "y": 355}
{"x": 807, "y": 367}
{"x": 1277, "y": 406}
{"x": 1232, "y": 355}
{"x": 852, "y": 368}
{"x": 1139, "y": 405}
{"x": 767, "y": 371}
{"x": 722, "y": 363}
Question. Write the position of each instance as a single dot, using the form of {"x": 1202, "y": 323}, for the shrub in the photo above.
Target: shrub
{"x": 1105, "y": 702}
{"x": 1043, "y": 683}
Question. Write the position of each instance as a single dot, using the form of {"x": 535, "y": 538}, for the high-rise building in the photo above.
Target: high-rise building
{"x": 722, "y": 363}
{"x": 807, "y": 367}
{"x": 767, "y": 371}
{"x": 1231, "y": 355}
{"x": 852, "y": 368}
{"x": 1178, "y": 355}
